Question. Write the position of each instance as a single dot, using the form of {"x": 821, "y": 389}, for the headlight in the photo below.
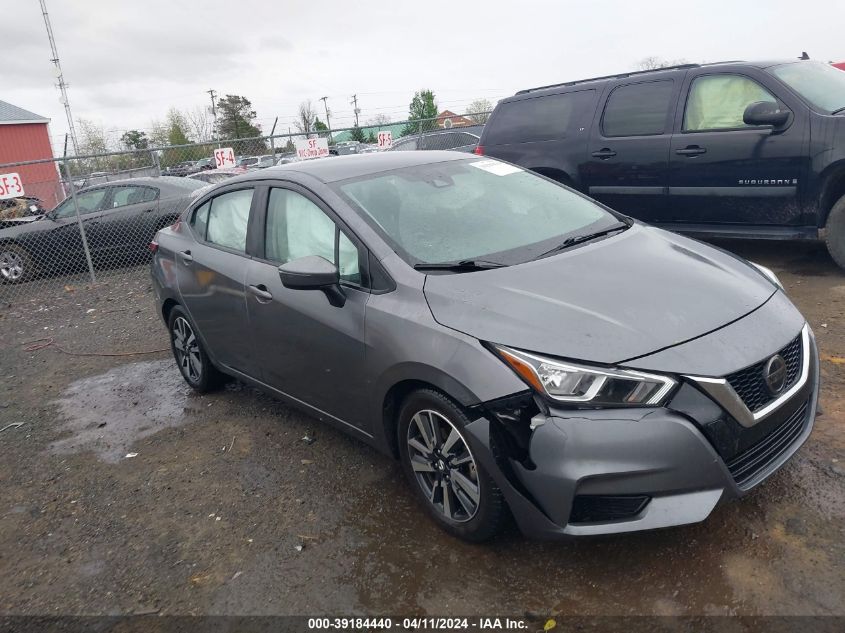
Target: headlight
{"x": 591, "y": 386}
{"x": 768, "y": 274}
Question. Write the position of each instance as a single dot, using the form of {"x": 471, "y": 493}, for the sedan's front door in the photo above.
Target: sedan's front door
{"x": 309, "y": 349}
{"x": 211, "y": 274}
{"x": 726, "y": 172}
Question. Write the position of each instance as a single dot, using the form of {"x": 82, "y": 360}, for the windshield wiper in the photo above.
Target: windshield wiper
{"x": 578, "y": 239}
{"x": 842, "y": 109}
{"x": 464, "y": 265}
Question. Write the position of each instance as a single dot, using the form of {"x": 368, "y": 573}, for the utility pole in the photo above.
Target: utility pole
{"x": 328, "y": 124}
{"x": 354, "y": 102}
{"x": 213, "y": 94}
{"x": 62, "y": 85}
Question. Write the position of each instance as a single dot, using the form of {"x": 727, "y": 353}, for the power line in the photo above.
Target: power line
{"x": 62, "y": 85}
{"x": 357, "y": 110}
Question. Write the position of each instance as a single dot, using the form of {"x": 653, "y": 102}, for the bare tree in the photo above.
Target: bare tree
{"x": 653, "y": 63}
{"x": 200, "y": 124}
{"x": 479, "y": 110}
{"x": 92, "y": 137}
{"x": 379, "y": 120}
{"x": 306, "y": 117}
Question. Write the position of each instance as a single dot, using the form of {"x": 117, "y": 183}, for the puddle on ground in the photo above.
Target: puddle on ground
{"x": 106, "y": 414}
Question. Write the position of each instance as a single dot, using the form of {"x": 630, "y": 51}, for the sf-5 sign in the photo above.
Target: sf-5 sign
{"x": 311, "y": 148}
{"x": 10, "y": 186}
{"x": 385, "y": 139}
{"x": 224, "y": 157}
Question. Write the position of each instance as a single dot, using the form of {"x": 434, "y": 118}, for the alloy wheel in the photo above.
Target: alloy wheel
{"x": 187, "y": 350}
{"x": 11, "y": 266}
{"x": 443, "y": 466}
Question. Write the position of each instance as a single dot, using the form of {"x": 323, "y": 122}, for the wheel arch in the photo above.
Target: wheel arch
{"x": 832, "y": 189}
{"x": 408, "y": 378}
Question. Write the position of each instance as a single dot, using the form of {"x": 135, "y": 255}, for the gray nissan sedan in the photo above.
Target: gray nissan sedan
{"x": 526, "y": 353}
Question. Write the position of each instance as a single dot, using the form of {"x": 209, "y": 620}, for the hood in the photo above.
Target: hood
{"x": 606, "y": 302}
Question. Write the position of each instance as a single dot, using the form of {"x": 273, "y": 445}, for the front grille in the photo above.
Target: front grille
{"x": 750, "y": 385}
{"x": 604, "y": 508}
{"x": 748, "y": 464}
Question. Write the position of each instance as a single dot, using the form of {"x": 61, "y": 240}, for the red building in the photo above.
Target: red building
{"x": 447, "y": 119}
{"x": 25, "y": 136}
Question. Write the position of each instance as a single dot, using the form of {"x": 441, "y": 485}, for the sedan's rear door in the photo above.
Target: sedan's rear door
{"x": 211, "y": 270}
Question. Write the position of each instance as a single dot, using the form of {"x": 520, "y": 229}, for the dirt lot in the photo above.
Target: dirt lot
{"x": 225, "y": 510}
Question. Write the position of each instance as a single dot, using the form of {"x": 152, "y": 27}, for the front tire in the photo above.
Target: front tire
{"x": 193, "y": 362}
{"x": 835, "y": 232}
{"x": 15, "y": 264}
{"x": 443, "y": 472}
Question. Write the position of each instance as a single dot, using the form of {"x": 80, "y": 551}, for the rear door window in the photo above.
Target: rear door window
{"x": 537, "y": 118}
{"x": 228, "y": 219}
{"x": 124, "y": 196}
{"x": 638, "y": 109}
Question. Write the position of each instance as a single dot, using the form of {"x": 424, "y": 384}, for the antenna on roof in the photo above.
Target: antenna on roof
{"x": 804, "y": 55}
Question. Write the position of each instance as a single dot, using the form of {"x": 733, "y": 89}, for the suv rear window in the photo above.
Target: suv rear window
{"x": 537, "y": 118}
{"x": 638, "y": 109}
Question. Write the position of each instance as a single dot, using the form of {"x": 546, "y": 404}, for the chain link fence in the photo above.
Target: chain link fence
{"x": 74, "y": 223}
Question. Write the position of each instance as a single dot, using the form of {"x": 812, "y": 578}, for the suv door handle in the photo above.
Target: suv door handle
{"x": 261, "y": 292}
{"x": 604, "y": 153}
{"x": 186, "y": 257}
{"x": 691, "y": 150}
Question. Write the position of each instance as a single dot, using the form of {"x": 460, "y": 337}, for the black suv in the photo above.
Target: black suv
{"x": 734, "y": 149}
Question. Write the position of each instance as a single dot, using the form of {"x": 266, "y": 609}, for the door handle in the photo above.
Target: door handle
{"x": 186, "y": 257}
{"x": 691, "y": 150}
{"x": 262, "y": 294}
{"x": 604, "y": 153}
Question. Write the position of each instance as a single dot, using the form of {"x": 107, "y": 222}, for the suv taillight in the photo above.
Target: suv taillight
{"x": 479, "y": 150}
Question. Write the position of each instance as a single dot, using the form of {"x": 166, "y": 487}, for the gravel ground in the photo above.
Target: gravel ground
{"x": 123, "y": 492}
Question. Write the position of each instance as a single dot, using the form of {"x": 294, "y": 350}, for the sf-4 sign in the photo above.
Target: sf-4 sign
{"x": 10, "y": 186}
{"x": 224, "y": 157}
{"x": 311, "y": 148}
{"x": 385, "y": 139}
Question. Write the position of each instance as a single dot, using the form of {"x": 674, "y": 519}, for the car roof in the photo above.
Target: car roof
{"x": 336, "y": 168}
{"x": 162, "y": 182}
{"x": 553, "y": 88}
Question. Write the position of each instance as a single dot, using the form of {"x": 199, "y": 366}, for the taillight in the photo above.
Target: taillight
{"x": 153, "y": 246}
{"x": 479, "y": 150}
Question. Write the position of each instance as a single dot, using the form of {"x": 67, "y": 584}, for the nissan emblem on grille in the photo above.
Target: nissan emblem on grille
{"x": 775, "y": 374}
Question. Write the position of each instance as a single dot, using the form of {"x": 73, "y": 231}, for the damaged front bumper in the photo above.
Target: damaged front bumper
{"x": 603, "y": 471}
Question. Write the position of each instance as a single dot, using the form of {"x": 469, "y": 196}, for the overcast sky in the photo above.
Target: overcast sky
{"x": 128, "y": 61}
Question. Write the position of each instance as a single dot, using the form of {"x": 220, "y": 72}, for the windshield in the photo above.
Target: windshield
{"x": 820, "y": 84}
{"x": 472, "y": 209}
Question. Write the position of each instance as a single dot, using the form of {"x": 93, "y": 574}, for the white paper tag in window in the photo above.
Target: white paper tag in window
{"x": 495, "y": 167}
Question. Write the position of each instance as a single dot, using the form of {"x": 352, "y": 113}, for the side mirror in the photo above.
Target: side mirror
{"x": 313, "y": 273}
{"x": 765, "y": 113}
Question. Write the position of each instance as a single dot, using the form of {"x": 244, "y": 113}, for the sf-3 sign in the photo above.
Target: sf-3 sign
{"x": 311, "y": 148}
{"x": 10, "y": 186}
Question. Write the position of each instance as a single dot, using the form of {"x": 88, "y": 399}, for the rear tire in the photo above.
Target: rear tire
{"x": 444, "y": 474}
{"x": 191, "y": 358}
{"x": 15, "y": 264}
{"x": 835, "y": 232}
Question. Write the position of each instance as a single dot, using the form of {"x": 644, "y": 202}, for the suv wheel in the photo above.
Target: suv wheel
{"x": 444, "y": 474}
{"x": 190, "y": 355}
{"x": 835, "y": 232}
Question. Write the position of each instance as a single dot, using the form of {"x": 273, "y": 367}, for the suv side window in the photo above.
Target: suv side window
{"x": 717, "y": 102}
{"x": 638, "y": 109}
{"x": 296, "y": 227}
{"x": 537, "y": 118}
{"x": 228, "y": 219}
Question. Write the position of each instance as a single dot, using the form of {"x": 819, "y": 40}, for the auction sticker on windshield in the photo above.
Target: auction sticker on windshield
{"x": 311, "y": 148}
{"x": 495, "y": 167}
{"x": 10, "y": 186}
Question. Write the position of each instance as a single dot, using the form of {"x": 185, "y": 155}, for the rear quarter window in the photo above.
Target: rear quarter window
{"x": 537, "y": 118}
{"x": 638, "y": 109}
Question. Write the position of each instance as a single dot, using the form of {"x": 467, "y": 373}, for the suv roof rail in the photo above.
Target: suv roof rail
{"x": 616, "y": 76}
